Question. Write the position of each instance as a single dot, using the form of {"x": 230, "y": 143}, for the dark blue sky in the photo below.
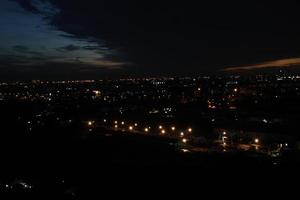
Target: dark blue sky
{"x": 54, "y": 39}
{"x": 30, "y": 44}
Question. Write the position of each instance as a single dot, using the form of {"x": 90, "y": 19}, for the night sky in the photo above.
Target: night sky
{"x": 78, "y": 39}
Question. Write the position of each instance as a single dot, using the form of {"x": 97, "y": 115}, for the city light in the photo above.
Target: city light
{"x": 116, "y": 126}
{"x": 163, "y": 131}
{"x": 122, "y": 123}
{"x": 160, "y": 127}
{"x": 235, "y": 90}
{"x": 146, "y": 130}
{"x": 116, "y": 122}
{"x": 104, "y": 121}
{"x": 173, "y": 128}
{"x": 256, "y": 140}
{"x": 190, "y": 130}
{"x": 224, "y": 133}
{"x": 182, "y": 134}
{"x": 90, "y": 123}
{"x": 185, "y": 150}
{"x": 135, "y": 124}
{"x": 184, "y": 140}
{"x": 130, "y": 128}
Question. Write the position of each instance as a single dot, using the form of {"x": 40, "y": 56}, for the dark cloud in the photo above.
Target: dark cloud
{"x": 94, "y": 48}
{"x": 28, "y": 5}
{"x": 54, "y": 70}
{"x": 26, "y": 50}
{"x": 20, "y": 48}
{"x": 70, "y": 47}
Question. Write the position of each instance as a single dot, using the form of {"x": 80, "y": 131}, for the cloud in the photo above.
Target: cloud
{"x": 70, "y": 47}
{"x": 28, "y": 5}
{"x": 26, "y": 50}
{"x": 282, "y": 63}
{"x": 20, "y": 48}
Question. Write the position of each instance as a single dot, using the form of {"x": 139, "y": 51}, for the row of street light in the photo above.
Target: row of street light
{"x": 147, "y": 129}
